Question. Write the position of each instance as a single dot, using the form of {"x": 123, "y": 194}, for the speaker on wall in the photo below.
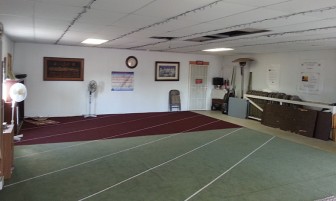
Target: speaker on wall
{"x": 217, "y": 81}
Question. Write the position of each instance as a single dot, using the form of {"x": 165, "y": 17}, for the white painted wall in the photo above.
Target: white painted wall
{"x": 289, "y": 63}
{"x": 68, "y": 98}
{"x": 7, "y": 46}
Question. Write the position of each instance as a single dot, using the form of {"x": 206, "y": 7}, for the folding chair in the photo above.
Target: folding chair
{"x": 174, "y": 100}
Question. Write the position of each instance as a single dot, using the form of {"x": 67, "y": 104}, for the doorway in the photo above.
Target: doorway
{"x": 198, "y": 85}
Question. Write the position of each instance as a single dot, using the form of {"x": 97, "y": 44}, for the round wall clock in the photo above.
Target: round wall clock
{"x": 131, "y": 62}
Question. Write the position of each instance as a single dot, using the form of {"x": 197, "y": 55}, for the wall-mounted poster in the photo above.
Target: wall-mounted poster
{"x": 273, "y": 76}
{"x": 310, "y": 77}
{"x": 63, "y": 69}
{"x": 122, "y": 81}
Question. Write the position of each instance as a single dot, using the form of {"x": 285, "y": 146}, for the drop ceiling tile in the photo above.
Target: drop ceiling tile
{"x": 78, "y": 3}
{"x": 250, "y": 18}
{"x": 86, "y": 27}
{"x": 293, "y": 25}
{"x": 48, "y": 35}
{"x": 218, "y": 26}
{"x": 169, "y": 28}
{"x": 258, "y": 3}
{"x": 75, "y": 37}
{"x": 195, "y": 30}
{"x": 218, "y": 11}
{"x": 329, "y": 14}
{"x": 306, "y": 5}
{"x": 135, "y": 45}
{"x": 136, "y": 21}
{"x": 101, "y": 17}
{"x": 112, "y": 32}
{"x": 175, "y": 44}
{"x": 129, "y": 23}
{"x": 123, "y": 6}
{"x": 316, "y": 9}
{"x": 309, "y": 28}
{"x": 166, "y": 9}
{"x": 120, "y": 42}
{"x": 51, "y": 11}
{"x": 17, "y": 8}
{"x": 51, "y": 24}
{"x": 16, "y": 26}
{"x": 308, "y": 38}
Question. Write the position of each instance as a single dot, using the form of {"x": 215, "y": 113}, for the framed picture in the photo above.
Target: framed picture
{"x": 167, "y": 71}
{"x": 63, "y": 69}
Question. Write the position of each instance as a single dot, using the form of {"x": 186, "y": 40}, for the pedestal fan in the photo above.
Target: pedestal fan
{"x": 92, "y": 88}
{"x": 17, "y": 92}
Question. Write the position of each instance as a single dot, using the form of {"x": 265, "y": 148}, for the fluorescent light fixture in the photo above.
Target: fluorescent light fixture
{"x": 218, "y": 49}
{"x": 94, "y": 41}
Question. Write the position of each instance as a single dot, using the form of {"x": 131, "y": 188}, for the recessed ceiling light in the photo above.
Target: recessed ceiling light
{"x": 94, "y": 41}
{"x": 218, "y": 49}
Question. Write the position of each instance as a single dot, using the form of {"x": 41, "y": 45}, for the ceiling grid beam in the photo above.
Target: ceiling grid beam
{"x": 248, "y": 24}
{"x": 85, "y": 9}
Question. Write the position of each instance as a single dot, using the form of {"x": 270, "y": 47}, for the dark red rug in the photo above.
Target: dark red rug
{"x": 70, "y": 129}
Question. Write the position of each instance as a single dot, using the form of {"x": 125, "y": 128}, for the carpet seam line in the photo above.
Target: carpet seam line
{"x": 228, "y": 170}
{"x": 92, "y": 160}
{"x": 117, "y": 135}
{"x": 60, "y": 134}
{"x": 157, "y": 166}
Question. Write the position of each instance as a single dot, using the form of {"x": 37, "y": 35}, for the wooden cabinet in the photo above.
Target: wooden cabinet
{"x": 6, "y": 135}
{"x": 217, "y": 104}
{"x": 1, "y": 162}
{"x": 7, "y": 150}
{"x": 217, "y": 98}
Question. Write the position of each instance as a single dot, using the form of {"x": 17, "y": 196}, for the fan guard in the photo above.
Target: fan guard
{"x": 18, "y": 92}
{"x": 92, "y": 87}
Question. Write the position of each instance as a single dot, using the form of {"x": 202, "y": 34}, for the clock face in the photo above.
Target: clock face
{"x": 131, "y": 62}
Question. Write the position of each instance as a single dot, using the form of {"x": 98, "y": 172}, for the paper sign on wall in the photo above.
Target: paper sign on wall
{"x": 309, "y": 78}
{"x": 273, "y": 77}
{"x": 198, "y": 81}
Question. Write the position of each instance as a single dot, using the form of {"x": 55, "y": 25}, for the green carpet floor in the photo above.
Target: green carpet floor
{"x": 228, "y": 164}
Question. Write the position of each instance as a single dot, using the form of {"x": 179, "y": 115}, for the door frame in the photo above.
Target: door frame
{"x": 198, "y": 63}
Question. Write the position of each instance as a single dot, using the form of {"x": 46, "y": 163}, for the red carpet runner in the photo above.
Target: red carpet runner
{"x": 78, "y": 128}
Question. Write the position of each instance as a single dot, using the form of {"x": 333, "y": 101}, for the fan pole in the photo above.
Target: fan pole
{"x": 90, "y": 100}
{"x": 92, "y": 87}
{"x": 90, "y": 115}
{"x": 13, "y": 108}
